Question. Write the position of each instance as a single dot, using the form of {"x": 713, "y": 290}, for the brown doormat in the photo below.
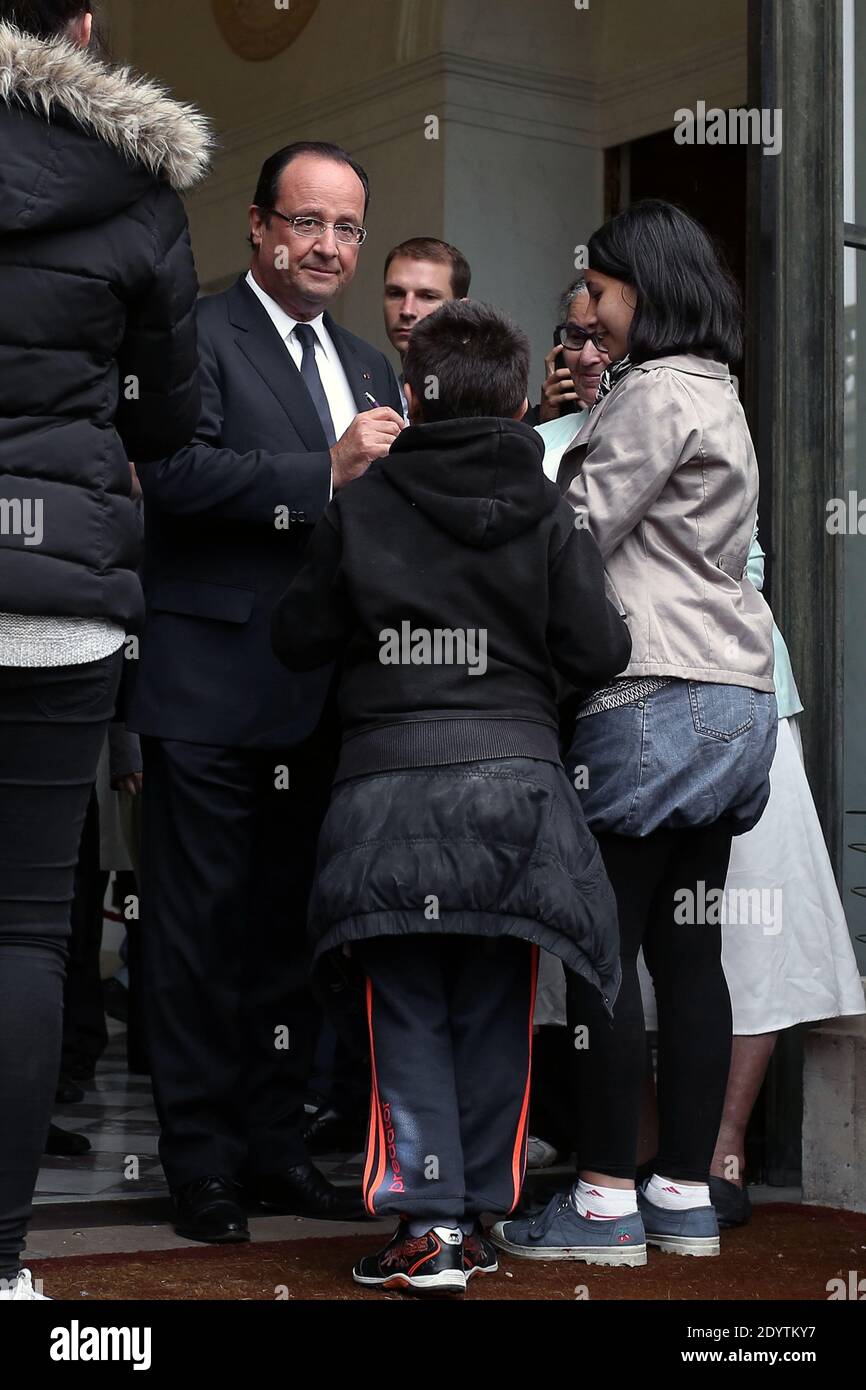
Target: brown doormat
{"x": 787, "y": 1251}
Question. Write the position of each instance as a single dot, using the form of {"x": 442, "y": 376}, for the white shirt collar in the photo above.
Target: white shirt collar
{"x": 283, "y": 322}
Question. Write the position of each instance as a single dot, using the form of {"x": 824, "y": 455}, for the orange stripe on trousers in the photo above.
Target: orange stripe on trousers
{"x": 518, "y": 1158}
{"x": 376, "y": 1129}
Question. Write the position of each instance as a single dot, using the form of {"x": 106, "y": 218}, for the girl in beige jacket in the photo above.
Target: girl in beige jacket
{"x": 671, "y": 760}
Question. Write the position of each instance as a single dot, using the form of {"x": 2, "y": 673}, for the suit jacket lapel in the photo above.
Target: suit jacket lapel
{"x": 358, "y": 377}
{"x": 262, "y": 345}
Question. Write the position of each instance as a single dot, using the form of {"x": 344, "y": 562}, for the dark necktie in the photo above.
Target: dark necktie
{"x": 306, "y": 336}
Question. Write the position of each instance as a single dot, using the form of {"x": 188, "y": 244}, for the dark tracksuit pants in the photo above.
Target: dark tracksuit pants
{"x": 450, "y": 1021}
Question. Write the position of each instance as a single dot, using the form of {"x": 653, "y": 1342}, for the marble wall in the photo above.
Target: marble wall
{"x": 527, "y": 94}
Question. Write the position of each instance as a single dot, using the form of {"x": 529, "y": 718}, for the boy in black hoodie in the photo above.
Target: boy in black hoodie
{"x": 452, "y": 583}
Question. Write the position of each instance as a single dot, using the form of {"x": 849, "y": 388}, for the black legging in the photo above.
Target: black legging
{"x": 52, "y": 726}
{"x": 694, "y": 1009}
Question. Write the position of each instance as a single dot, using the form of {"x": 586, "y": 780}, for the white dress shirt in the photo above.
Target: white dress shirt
{"x": 334, "y": 381}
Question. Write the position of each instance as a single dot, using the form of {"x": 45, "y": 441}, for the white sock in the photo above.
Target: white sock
{"x": 445, "y": 1230}
{"x": 605, "y": 1203}
{"x": 676, "y": 1196}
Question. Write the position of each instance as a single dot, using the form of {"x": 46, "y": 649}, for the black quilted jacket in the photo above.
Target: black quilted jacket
{"x": 496, "y": 848}
{"x": 457, "y": 529}
{"x": 98, "y": 360}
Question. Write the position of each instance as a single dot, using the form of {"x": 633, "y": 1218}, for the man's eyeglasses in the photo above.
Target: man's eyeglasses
{"x": 301, "y": 225}
{"x": 573, "y": 337}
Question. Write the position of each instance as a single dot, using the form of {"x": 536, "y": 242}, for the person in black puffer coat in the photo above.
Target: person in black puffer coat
{"x": 98, "y": 367}
{"x": 452, "y": 582}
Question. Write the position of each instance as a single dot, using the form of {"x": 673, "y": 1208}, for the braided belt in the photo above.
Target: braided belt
{"x": 628, "y": 691}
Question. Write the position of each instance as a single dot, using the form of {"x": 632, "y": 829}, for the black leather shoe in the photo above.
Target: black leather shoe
{"x": 67, "y": 1092}
{"x": 115, "y": 997}
{"x": 209, "y": 1209}
{"x": 303, "y": 1191}
{"x": 330, "y": 1132}
{"x": 63, "y": 1144}
{"x": 79, "y": 1069}
{"x": 733, "y": 1204}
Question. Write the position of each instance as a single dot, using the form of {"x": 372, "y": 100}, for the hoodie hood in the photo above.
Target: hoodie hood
{"x": 481, "y": 480}
{"x": 81, "y": 139}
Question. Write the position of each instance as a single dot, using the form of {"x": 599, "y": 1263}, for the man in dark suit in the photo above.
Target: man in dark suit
{"x": 238, "y": 752}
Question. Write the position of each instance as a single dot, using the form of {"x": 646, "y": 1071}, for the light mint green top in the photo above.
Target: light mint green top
{"x": 559, "y": 434}
{"x": 787, "y": 695}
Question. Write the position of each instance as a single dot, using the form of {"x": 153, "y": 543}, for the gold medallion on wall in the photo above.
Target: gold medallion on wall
{"x": 259, "y": 29}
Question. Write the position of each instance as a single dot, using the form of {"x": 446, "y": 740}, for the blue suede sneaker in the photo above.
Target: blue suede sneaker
{"x": 558, "y": 1233}
{"x": 691, "y": 1232}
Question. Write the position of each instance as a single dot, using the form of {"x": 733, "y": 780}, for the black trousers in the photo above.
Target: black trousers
{"x": 228, "y": 855}
{"x": 450, "y": 1021}
{"x": 551, "y": 1114}
{"x": 85, "y": 1034}
{"x": 649, "y": 877}
{"x": 53, "y": 723}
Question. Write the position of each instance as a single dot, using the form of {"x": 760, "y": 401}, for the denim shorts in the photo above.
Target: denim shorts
{"x": 689, "y": 754}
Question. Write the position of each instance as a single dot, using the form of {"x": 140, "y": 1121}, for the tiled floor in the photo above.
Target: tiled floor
{"x": 118, "y": 1118}
{"x": 115, "y": 1198}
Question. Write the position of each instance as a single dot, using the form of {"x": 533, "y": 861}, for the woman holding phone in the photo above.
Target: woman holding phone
{"x": 574, "y": 369}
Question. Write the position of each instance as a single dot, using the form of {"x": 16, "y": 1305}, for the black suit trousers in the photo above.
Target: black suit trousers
{"x": 228, "y": 856}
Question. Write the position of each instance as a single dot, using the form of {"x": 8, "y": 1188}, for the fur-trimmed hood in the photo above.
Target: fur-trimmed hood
{"x": 80, "y": 95}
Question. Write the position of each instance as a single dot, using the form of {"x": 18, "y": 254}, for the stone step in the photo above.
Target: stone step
{"x": 834, "y": 1114}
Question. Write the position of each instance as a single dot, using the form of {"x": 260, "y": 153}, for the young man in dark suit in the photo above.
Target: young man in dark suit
{"x": 237, "y": 755}
{"x": 420, "y": 275}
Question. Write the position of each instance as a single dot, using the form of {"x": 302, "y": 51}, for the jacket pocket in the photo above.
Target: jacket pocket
{"x": 722, "y": 712}
{"x": 85, "y": 693}
{"x": 734, "y": 566}
{"x": 197, "y": 600}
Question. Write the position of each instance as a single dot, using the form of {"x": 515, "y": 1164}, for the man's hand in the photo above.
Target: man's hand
{"x": 557, "y": 389}
{"x": 131, "y": 784}
{"x": 369, "y": 437}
